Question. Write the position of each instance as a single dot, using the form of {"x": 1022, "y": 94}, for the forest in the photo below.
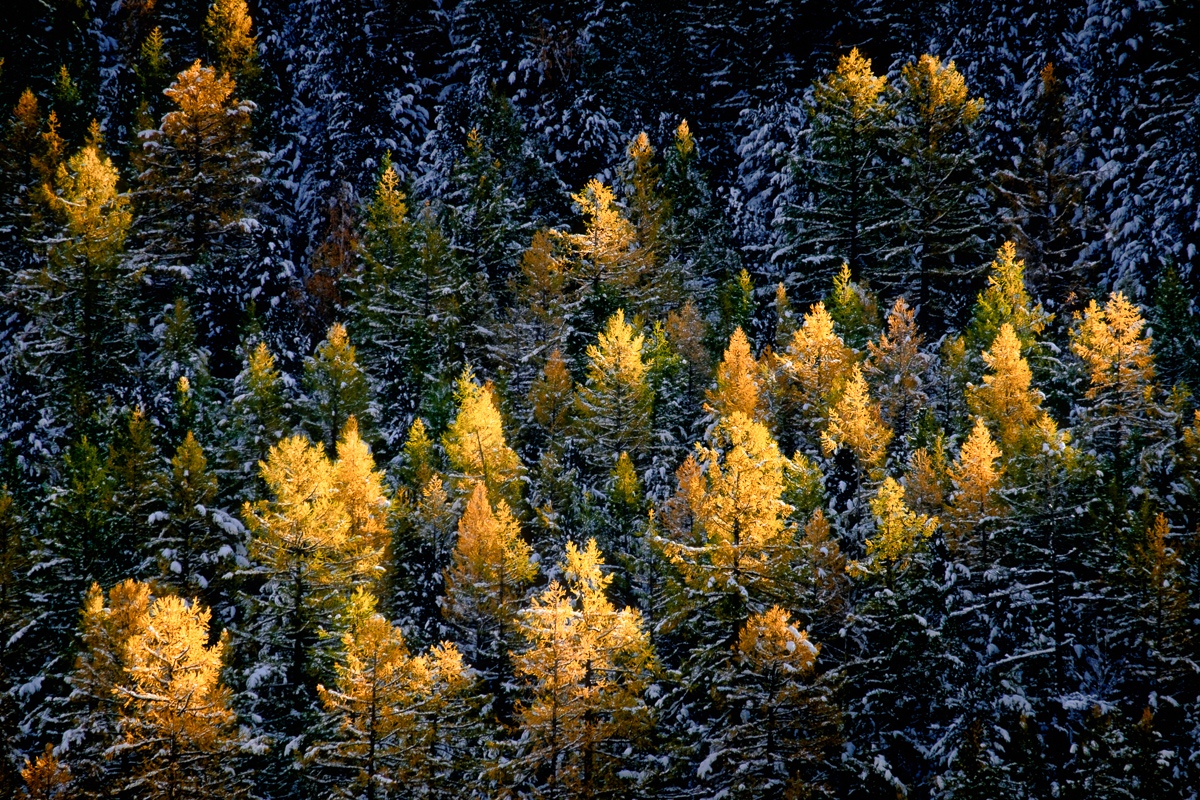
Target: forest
{"x": 547, "y": 400}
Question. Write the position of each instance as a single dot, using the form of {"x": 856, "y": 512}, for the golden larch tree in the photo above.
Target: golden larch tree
{"x": 815, "y": 366}
{"x": 393, "y": 710}
{"x": 778, "y": 720}
{"x": 615, "y": 404}
{"x": 739, "y": 381}
{"x": 1113, "y": 345}
{"x": 46, "y": 778}
{"x": 855, "y": 423}
{"x": 897, "y": 369}
{"x": 899, "y": 531}
{"x": 586, "y": 668}
{"x": 229, "y": 31}
{"x": 1006, "y": 400}
{"x": 177, "y": 710}
{"x": 726, "y": 533}
{"x": 476, "y": 447}
{"x": 1006, "y": 300}
{"x": 490, "y": 570}
{"x": 975, "y": 502}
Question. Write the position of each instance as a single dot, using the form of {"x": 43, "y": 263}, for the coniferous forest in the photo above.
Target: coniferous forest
{"x": 522, "y": 399}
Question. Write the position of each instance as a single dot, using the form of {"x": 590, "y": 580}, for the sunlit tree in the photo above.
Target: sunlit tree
{"x": 393, "y": 712}
{"x": 615, "y": 403}
{"x": 476, "y": 447}
{"x": 490, "y": 569}
{"x": 586, "y": 668}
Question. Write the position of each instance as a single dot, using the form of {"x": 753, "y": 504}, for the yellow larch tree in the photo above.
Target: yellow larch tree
{"x": 150, "y": 675}
{"x": 1163, "y": 600}
{"x": 46, "y": 778}
{"x": 739, "y": 381}
{"x": 1005, "y": 400}
{"x": 360, "y": 489}
{"x": 229, "y": 31}
{"x": 552, "y": 396}
{"x": 177, "y": 710}
{"x": 855, "y": 423}
{"x": 899, "y": 531}
{"x": 927, "y": 480}
{"x": 975, "y": 501}
{"x": 78, "y": 298}
{"x": 337, "y": 389}
{"x": 393, "y": 710}
{"x": 307, "y": 561}
{"x": 815, "y": 366}
{"x": 614, "y": 406}
{"x": 476, "y": 447}
{"x": 1006, "y": 300}
{"x": 490, "y": 570}
{"x": 586, "y": 668}
{"x": 778, "y": 723}
{"x": 606, "y": 254}
{"x": 1113, "y": 345}
{"x": 726, "y": 533}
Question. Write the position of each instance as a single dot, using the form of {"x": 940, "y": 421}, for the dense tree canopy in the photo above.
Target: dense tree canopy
{"x": 510, "y": 399}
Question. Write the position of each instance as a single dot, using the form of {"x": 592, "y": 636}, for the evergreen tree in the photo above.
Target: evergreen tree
{"x": 198, "y": 545}
{"x": 935, "y": 186}
{"x": 841, "y": 215}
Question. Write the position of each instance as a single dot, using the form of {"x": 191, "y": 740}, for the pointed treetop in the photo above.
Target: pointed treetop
{"x": 1006, "y": 300}
{"x": 685, "y": 145}
{"x": 852, "y": 84}
{"x": 739, "y": 381}
{"x": 854, "y": 422}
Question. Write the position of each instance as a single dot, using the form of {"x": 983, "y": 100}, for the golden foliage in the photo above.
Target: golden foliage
{"x": 46, "y": 778}
{"x": 896, "y": 367}
{"x": 854, "y": 422}
{"x": 491, "y": 563}
{"x": 97, "y": 215}
{"x": 587, "y": 666}
{"x": 1118, "y": 355}
{"x": 1006, "y": 300}
{"x": 927, "y": 481}
{"x": 854, "y": 86}
{"x": 476, "y": 446}
{"x": 607, "y": 246}
{"x": 1005, "y": 400}
{"x": 817, "y": 363}
{"x": 359, "y": 487}
{"x": 728, "y": 522}
{"x": 551, "y": 395}
{"x": 228, "y": 29}
{"x": 389, "y": 704}
{"x": 771, "y": 645}
{"x": 938, "y": 94}
{"x": 151, "y": 658}
{"x": 976, "y": 478}
{"x": 898, "y": 529}
{"x": 739, "y": 380}
{"x": 615, "y": 404}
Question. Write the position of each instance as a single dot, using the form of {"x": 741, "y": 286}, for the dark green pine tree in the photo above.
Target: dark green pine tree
{"x": 406, "y": 312}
